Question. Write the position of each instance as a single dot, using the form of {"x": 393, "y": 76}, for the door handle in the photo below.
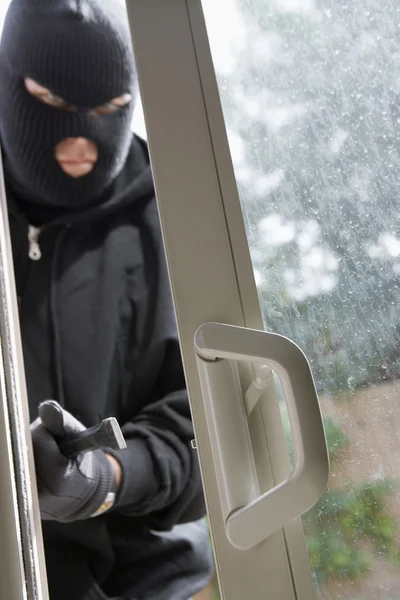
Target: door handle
{"x": 249, "y": 516}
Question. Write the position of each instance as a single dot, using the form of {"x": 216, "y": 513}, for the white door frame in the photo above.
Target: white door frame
{"x": 23, "y": 571}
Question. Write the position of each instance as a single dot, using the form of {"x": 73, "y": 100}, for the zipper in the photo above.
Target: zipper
{"x": 33, "y": 238}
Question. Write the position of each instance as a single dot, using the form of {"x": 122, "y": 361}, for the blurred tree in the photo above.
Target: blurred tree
{"x": 313, "y": 109}
{"x": 311, "y": 96}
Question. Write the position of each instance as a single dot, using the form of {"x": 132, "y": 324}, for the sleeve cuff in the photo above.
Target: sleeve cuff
{"x": 138, "y": 482}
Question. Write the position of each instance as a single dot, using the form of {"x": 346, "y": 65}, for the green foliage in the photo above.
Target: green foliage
{"x": 347, "y": 528}
{"x": 335, "y": 437}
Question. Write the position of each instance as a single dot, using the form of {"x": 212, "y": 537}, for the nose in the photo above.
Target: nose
{"x": 76, "y": 156}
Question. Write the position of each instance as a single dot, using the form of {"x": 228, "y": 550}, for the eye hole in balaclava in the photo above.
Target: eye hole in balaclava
{"x": 48, "y": 97}
{"x": 81, "y": 52}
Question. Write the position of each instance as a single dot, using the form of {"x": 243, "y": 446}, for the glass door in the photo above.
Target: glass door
{"x": 311, "y": 106}
{"x": 213, "y": 281}
{"x": 310, "y": 93}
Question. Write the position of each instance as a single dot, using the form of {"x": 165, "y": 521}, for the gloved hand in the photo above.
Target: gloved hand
{"x": 69, "y": 489}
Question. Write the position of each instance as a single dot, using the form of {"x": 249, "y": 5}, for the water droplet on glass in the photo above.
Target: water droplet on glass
{"x": 351, "y": 382}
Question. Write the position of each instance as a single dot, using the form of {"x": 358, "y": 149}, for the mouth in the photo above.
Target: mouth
{"x": 76, "y": 168}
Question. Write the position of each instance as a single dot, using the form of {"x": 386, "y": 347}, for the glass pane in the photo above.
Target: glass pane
{"x": 310, "y": 91}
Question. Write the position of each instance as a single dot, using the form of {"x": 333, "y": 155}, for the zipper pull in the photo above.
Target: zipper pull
{"x": 34, "y": 248}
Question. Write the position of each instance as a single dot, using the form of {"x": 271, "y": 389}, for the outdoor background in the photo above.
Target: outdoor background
{"x": 310, "y": 91}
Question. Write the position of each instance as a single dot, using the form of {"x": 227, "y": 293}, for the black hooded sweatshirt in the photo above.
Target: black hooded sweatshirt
{"x": 99, "y": 336}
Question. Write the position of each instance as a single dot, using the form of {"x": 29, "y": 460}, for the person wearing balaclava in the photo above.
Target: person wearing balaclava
{"x": 97, "y": 321}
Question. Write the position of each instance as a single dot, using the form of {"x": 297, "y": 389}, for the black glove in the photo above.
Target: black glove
{"x": 69, "y": 489}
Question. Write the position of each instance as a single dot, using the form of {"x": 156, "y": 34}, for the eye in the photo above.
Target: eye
{"x": 106, "y": 109}
{"x": 56, "y": 101}
{"x": 114, "y": 105}
{"x": 45, "y": 95}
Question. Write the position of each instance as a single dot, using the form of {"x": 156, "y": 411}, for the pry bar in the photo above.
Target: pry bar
{"x": 106, "y": 435}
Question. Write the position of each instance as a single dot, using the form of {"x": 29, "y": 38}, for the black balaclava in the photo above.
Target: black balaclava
{"x": 82, "y": 52}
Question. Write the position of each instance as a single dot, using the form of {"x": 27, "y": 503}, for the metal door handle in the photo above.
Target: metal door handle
{"x": 251, "y": 517}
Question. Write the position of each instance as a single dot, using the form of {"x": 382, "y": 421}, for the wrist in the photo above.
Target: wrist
{"x": 117, "y": 469}
{"x": 114, "y": 478}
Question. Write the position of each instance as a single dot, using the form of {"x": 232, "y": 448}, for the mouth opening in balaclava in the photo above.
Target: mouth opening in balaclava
{"x": 82, "y": 52}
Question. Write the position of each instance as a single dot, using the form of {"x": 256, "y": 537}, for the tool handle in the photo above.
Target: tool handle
{"x": 107, "y": 434}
